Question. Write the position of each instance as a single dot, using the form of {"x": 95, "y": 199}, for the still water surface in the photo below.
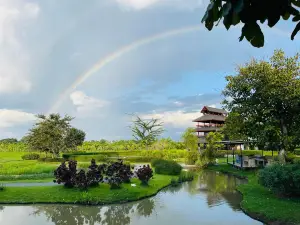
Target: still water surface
{"x": 210, "y": 199}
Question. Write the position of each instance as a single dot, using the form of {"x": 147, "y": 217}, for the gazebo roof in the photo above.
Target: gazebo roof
{"x": 213, "y": 110}
{"x": 209, "y": 117}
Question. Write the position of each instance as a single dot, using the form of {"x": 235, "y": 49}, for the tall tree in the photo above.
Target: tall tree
{"x": 146, "y": 131}
{"x": 265, "y": 96}
{"x": 49, "y": 133}
{"x": 249, "y": 13}
{"x": 74, "y": 138}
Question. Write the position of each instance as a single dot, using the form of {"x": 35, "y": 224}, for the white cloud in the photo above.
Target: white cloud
{"x": 177, "y": 119}
{"x": 86, "y": 104}
{"x": 178, "y": 4}
{"x": 14, "y": 58}
{"x": 11, "y": 118}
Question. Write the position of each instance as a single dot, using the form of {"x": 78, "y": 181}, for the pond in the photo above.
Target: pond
{"x": 210, "y": 199}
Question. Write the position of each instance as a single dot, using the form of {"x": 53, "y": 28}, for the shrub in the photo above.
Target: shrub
{"x": 118, "y": 173}
{"x": 144, "y": 174}
{"x": 296, "y": 160}
{"x": 66, "y": 175}
{"x": 282, "y": 179}
{"x": 31, "y": 156}
{"x": 167, "y": 167}
{"x": 2, "y": 187}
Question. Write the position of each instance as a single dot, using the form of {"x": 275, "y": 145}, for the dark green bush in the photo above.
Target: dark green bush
{"x": 31, "y": 156}
{"x": 167, "y": 167}
{"x": 282, "y": 179}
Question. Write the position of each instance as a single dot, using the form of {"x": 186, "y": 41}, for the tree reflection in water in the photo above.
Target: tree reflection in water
{"x": 1, "y": 208}
{"x": 217, "y": 188}
{"x": 95, "y": 215}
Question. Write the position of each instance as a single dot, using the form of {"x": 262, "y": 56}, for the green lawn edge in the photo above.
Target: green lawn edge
{"x": 94, "y": 196}
{"x": 259, "y": 202}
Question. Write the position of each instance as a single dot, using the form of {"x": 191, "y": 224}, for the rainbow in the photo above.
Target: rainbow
{"x": 117, "y": 54}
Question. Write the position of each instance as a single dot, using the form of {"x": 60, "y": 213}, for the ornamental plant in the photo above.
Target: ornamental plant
{"x": 144, "y": 173}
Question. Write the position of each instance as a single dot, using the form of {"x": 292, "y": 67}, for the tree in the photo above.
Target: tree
{"x": 208, "y": 155}
{"x": 9, "y": 140}
{"x": 74, "y": 138}
{"x": 265, "y": 96}
{"x": 190, "y": 139}
{"x": 249, "y": 13}
{"x": 49, "y": 133}
{"x": 146, "y": 131}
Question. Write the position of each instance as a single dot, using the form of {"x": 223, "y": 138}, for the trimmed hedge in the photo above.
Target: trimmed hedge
{"x": 166, "y": 167}
{"x": 31, "y": 156}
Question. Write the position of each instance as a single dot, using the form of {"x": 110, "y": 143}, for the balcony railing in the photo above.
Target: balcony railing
{"x": 211, "y": 125}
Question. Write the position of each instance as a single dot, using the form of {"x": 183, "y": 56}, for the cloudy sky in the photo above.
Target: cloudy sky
{"x": 100, "y": 60}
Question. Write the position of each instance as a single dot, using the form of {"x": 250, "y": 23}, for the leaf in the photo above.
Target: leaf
{"x": 227, "y": 22}
{"x": 296, "y": 3}
{"x": 209, "y": 25}
{"x": 253, "y": 34}
{"x": 205, "y": 17}
{"x": 272, "y": 20}
{"x": 226, "y": 9}
{"x": 296, "y": 18}
{"x": 238, "y": 6}
{"x": 295, "y": 31}
{"x": 235, "y": 19}
{"x": 293, "y": 11}
{"x": 286, "y": 16}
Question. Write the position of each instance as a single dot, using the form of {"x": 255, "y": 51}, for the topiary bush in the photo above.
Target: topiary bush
{"x": 167, "y": 167}
{"x": 144, "y": 173}
{"x": 282, "y": 179}
{"x": 31, "y": 156}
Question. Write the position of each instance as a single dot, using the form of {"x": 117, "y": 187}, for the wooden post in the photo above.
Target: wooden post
{"x": 227, "y": 152}
{"x": 241, "y": 156}
{"x": 233, "y": 161}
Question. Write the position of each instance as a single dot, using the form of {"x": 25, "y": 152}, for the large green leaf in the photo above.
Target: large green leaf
{"x": 253, "y": 34}
{"x": 295, "y": 31}
{"x": 273, "y": 19}
{"x": 235, "y": 19}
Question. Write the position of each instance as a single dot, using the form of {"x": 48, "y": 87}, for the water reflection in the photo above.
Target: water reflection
{"x": 203, "y": 201}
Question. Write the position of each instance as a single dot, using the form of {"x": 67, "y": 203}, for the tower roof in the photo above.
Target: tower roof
{"x": 207, "y": 109}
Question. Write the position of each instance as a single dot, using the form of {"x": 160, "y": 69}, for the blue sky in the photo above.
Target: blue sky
{"x": 45, "y": 45}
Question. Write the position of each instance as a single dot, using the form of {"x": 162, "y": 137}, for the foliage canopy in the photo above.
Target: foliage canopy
{"x": 249, "y": 13}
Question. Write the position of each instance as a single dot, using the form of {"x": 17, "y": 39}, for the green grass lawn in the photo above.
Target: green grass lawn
{"x": 96, "y": 195}
{"x": 260, "y": 202}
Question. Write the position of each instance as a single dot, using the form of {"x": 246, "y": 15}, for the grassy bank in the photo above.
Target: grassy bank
{"x": 96, "y": 195}
{"x": 261, "y": 203}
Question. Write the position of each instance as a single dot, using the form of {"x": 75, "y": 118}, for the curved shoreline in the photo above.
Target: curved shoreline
{"x": 86, "y": 203}
{"x": 257, "y": 216}
{"x": 102, "y": 195}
